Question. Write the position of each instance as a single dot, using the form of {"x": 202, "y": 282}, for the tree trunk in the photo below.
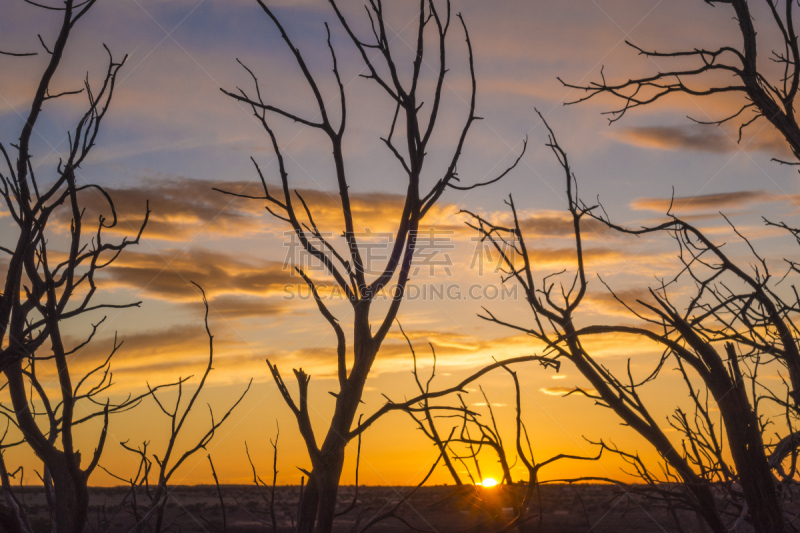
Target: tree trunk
{"x": 11, "y": 520}
{"x": 309, "y": 501}
{"x": 318, "y": 505}
{"x": 328, "y": 477}
{"x": 71, "y": 504}
{"x": 699, "y": 490}
{"x": 747, "y": 449}
{"x": 13, "y": 517}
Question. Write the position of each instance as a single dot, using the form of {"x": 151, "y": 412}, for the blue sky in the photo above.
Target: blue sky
{"x": 171, "y": 135}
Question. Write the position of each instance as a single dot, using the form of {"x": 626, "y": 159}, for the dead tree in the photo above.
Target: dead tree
{"x": 13, "y": 516}
{"x": 261, "y": 485}
{"x": 90, "y": 393}
{"x": 48, "y": 284}
{"x": 414, "y": 123}
{"x": 525, "y": 454}
{"x": 487, "y": 437}
{"x": 171, "y": 459}
{"x": 393, "y": 512}
{"x": 766, "y": 91}
{"x": 736, "y": 322}
{"x": 418, "y": 404}
{"x": 426, "y": 423}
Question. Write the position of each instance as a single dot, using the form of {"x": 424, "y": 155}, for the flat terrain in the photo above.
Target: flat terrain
{"x": 564, "y": 509}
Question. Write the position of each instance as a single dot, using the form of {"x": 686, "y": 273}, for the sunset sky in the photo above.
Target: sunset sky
{"x": 171, "y": 136}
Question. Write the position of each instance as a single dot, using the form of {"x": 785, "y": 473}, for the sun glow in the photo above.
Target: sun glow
{"x": 488, "y": 482}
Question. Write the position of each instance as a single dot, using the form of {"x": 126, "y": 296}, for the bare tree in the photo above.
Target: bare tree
{"x": 766, "y": 91}
{"x": 47, "y": 286}
{"x": 736, "y": 322}
{"x": 426, "y": 422}
{"x": 171, "y": 459}
{"x": 13, "y": 516}
{"x": 418, "y": 123}
{"x": 486, "y": 437}
{"x": 261, "y": 485}
{"x": 412, "y": 407}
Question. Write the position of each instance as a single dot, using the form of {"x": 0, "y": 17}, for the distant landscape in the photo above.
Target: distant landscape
{"x": 451, "y": 265}
{"x": 564, "y": 509}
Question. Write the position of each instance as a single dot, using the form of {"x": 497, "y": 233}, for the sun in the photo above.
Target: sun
{"x": 488, "y": 482}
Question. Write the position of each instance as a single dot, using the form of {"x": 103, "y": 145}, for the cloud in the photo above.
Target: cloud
{"x": 560, "y": 224}
{"x": 541, "y": 256}
{"x": 545, "y": 223}
{"x": 701, "y": 138}
{"x": 604, "y": 303}
{"x": 169, "y": 275}
{"x": 161, "y": 356}
{"x": 568, "y": 391}
{"x": 705, "y": 202}
{"x": 547, "y": 259}
{"x": 440, "y": 339}
{"x": 455, "y": 350}
{"x": 182, "y": 208}
{"x": 241, "y": 306}
{"x": 175, "y": 339}
{"x": 169, "y": 350}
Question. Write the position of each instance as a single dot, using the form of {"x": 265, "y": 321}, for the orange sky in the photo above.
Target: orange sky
{"x": 171, "y": 136}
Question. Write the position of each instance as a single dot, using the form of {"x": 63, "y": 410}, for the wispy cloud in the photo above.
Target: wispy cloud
{"x": 169, "y": 276}
{"x": 232, "y": 307}
{"x": 605, "y": 303}
{"x": 182, "y": 207}
{"x": 560, "y": 224}
{"x": 549, "y": 257}
{"x": 706, "y": 202}
{"x": 568, "y": 391}
{"x": 701, "y": 138}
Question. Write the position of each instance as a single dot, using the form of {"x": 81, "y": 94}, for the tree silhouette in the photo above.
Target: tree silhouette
{"x": 736, "y": 322}
{"x": 767, "y": 92}
{"x": 165, "y": 463}
{"x": 48, "y": 285}
{"x": 476, "y": 436}
{"x": 348, "y": 269}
